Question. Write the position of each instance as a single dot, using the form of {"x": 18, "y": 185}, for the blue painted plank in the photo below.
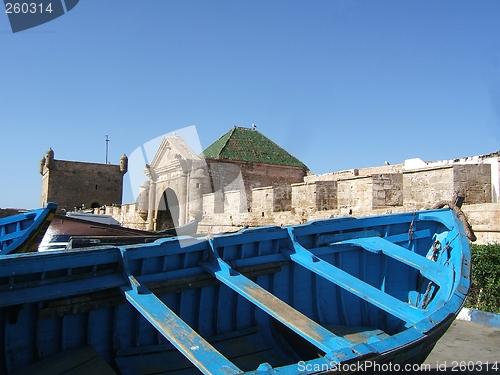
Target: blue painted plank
{"x": 392, "y": 305}
{"x": 13, "y": 235}
{"x": 170, "y": 275}
{"x": 182, "y": 336}
{"x": 32, "y": 263}
{"x": 195, "y": 271}
{"x": 258, "y": 260}
{"x": 18, "y": 218}
{"x": 357, "y": 287}
{"x": 340, "y": 224}
{"x": 432, "y": 270}
{"x": 22, "y": 232}
{"x": 403, "y": 237}
{"x": 251, "y": 235}
{"x": 343, "y": 236}
{"x": 59, "y": 290}
{"x": 437, "y": 216}
{"x": 165, "y": 246}
{"x": 481, "y": 317}
{"x": 293, "y": 319}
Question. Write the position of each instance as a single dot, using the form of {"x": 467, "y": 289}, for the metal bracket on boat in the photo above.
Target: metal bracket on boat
{"x": 134, "y": 283}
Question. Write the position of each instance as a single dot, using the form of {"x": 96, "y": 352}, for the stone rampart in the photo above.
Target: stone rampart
{"x": 129, "y": 215}
{"x": 357, "y": 193}
{"x": 382, "y": 190}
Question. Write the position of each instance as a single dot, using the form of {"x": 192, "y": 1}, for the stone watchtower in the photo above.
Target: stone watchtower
{"x": 78, "y": 184}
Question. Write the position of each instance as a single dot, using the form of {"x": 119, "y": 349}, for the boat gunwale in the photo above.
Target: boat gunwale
{"x": 41, "y": 217}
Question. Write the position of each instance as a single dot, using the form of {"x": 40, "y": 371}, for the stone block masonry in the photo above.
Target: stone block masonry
{"x": 387, "y": 190}
{"x": 423, "y": 187}
{"x": 78, "y": 184}
{"x": 312, "y": 197}
{"x": 236, "y": 175}
{"x": 359, "y": 194}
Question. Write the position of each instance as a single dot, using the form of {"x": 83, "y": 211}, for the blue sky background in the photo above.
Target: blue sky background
{"x": 339, "y": 84}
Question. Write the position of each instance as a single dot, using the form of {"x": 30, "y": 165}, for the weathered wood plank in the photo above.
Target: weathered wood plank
{"x": 181, "y": 335}
{"x": 293, "y": 319}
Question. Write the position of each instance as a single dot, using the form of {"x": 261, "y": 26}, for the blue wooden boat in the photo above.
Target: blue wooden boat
{"x": 331, "y": 296}
{"x": 23, "y": 232}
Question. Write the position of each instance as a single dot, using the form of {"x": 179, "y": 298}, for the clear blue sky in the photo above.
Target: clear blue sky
{"x": 339, "y": 84}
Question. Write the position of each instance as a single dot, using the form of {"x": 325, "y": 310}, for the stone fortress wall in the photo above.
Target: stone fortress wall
{"x": 385, "y": 189}
{"x": 244, "y": 179}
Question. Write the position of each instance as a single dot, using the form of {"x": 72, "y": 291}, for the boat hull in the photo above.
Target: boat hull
{"x": 333, "y": 296}
{"x": 23, "y": 232}
{"x": 75, "y": 232}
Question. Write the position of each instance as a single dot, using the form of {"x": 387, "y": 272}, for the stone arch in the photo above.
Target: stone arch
{"x": 95, "y": 205}
{"x": 168, "y": 211}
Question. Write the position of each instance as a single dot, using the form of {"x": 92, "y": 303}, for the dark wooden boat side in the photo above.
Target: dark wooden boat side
{"x": 72, "y": 232}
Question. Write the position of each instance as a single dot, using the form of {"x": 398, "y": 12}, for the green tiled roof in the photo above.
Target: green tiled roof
{"x": 244, "y": 144}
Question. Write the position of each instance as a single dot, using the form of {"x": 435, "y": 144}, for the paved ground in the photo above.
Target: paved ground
{"x": 467, "y": 344}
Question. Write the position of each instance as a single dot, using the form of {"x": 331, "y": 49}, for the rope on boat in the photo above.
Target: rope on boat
{"x": 461, "y": 215}
{"x": 431, "y": 289}
{"x": 410, "y": 230}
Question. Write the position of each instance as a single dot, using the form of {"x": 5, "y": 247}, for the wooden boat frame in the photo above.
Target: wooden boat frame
{"x": 23, "y": 232}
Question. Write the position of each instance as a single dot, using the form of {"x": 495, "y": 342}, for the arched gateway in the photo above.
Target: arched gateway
{"x": 168, "y": 210}
{"x": 177, "y": 181}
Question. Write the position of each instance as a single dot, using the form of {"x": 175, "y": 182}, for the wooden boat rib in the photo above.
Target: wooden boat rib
{"x": 23, "y": 232}
{"x": 310, "y": 299}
